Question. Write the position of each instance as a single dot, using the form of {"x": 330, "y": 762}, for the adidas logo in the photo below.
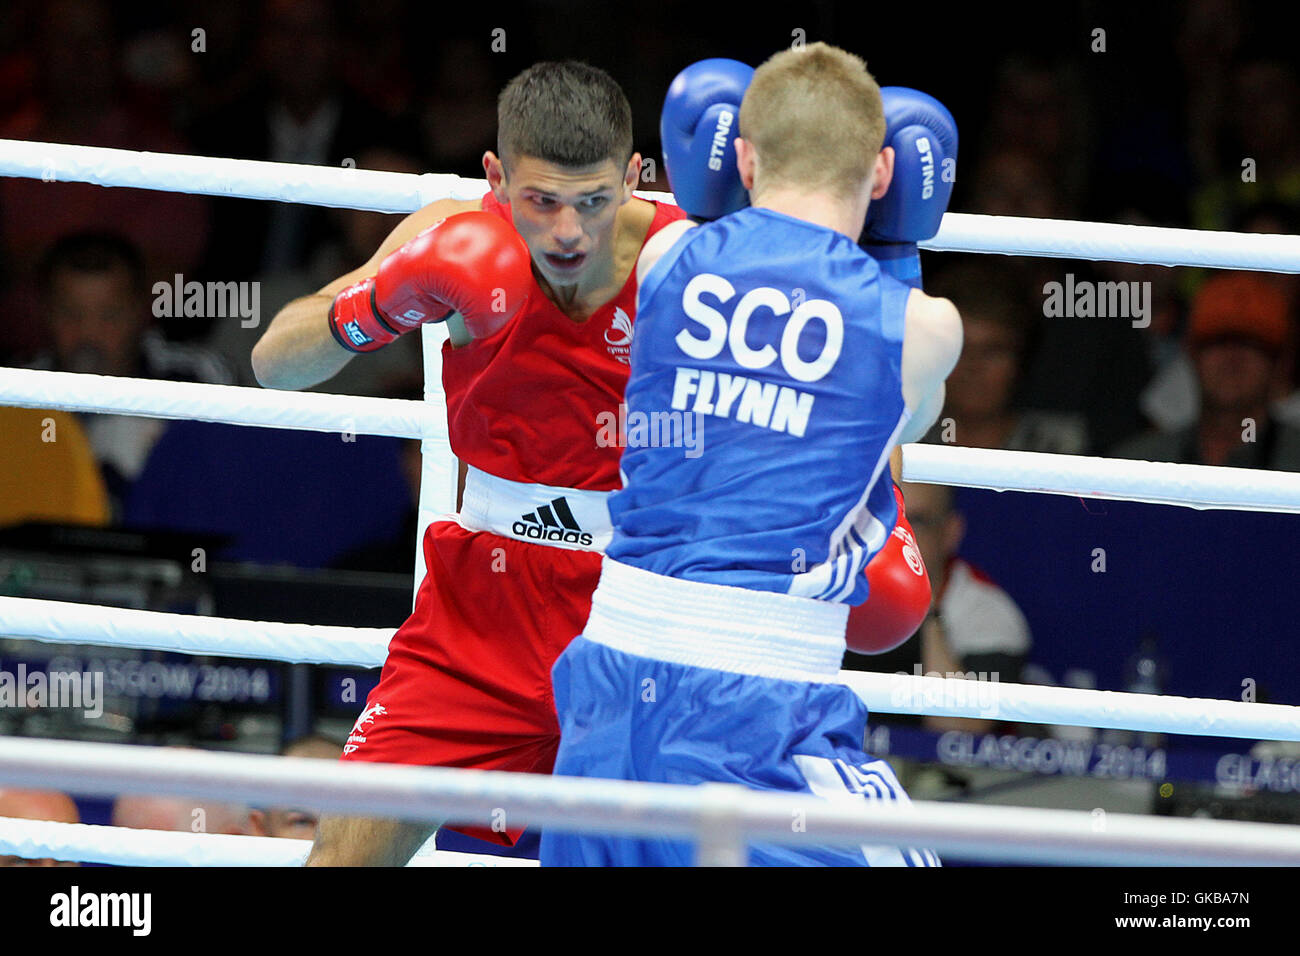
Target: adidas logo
{"x": 553, "y": 522}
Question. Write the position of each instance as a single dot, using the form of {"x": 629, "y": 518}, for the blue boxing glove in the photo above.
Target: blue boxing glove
{"x": 924, "y": 136}
{"x": 698, "y": 129}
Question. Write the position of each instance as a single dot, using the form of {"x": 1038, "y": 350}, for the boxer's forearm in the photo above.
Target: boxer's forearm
{"x": 297, "y": 350}
{"x": 937, "y": 657}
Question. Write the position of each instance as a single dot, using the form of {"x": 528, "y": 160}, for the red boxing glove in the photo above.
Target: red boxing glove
{"x": 900, "y": 593}
{"x": 473, "y": 263}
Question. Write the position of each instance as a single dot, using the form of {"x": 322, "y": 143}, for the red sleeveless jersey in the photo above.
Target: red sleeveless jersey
{"x": 523, "y": 404}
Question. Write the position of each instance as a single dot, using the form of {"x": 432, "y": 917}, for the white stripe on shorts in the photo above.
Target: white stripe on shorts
{"x": 841, "y": 780}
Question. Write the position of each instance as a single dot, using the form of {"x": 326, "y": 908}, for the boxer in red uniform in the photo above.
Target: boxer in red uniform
{"x": 508, "y": 582}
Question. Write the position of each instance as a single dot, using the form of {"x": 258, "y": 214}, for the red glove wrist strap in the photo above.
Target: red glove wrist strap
{"x": 355, "y": 320}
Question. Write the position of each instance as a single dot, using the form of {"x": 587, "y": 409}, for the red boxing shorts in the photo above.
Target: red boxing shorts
{"x": 467, "y": 682}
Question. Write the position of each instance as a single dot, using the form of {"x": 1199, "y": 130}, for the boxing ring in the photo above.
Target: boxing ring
{"x": 722, "y": 819}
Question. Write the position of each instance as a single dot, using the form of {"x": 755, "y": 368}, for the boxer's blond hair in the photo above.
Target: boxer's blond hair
{"x": 815, "y": 118}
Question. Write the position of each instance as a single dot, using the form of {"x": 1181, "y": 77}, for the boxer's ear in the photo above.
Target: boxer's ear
{"x": 495, "y": 171}
{"x": 631, "y": 176}
{"x": 746, "y": 163}
{"x": 883, "y": 174}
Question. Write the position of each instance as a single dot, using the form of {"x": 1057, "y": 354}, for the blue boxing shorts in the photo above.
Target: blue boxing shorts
{"x": 644, "y": 695}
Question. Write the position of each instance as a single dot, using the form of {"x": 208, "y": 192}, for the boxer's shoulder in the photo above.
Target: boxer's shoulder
{"x": 658, "y": 244}
{"x": 422, "y": 219}
{"x": 636, "y": 218}
{"x": 444, "y": 208}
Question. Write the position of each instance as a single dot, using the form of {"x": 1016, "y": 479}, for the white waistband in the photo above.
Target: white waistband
{"x": 541, "y": 514}
{"x": 716, "y": 626}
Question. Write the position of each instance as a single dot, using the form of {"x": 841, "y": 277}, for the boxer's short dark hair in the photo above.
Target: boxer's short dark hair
{"x": 91, "y": 252}
{"x": 566, "y": 113}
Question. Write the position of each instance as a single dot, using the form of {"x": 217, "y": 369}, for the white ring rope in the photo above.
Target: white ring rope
{"x": 63, "y": 622}
{"x": 1116, "y": 242}
{"x": 231, "y": 404}
{"x": 882, "y": 693}
{"x": 120, "y": 846}
{"x": 406, "y": 192}
{"x": 1156, "y": 482}
{"x": 242, "y": 178}
{"x": 722, "y": 817}
{"x": 1192, "y": 486}
{"x": 1073, "y": 706}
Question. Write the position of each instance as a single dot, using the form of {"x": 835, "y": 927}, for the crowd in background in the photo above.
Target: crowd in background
{"x": 1058, "y": 131}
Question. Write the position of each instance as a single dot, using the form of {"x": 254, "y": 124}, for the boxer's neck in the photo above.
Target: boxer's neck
{"x": 610, "y": 271}
{"x": 819, "y": 208}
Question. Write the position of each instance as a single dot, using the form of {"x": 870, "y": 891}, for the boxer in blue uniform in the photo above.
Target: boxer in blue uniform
{"x": 717, "y": 629}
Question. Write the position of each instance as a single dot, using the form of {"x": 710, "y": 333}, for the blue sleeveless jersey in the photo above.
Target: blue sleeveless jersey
{"x": 765, "y": 396}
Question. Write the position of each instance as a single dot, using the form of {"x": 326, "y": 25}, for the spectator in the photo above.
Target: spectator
{"x": 1275, "y": 219}
{"x": 298, "y": 112}
{"x": 1153, "y": 351}
{"x": 1083, "y": 368}
{"x": 194, "y": 61}
{"x": 48, "y": 805}
{"x": 1011, "y": 182}
{"x": 1258, "y": 155}
{"x": 979, "y": 409}
{"x": 977, "y": 628}
{"x": 1169, "y": 400}
{"x": 180, "y": 814}
{"x": 78, "y": 97}
{"x": 459, "y": 121}
{"x": 1208, "y": 39}
{"x": 95, "y": 300}
{"x": 289, "y": 823}
{"x": 1038, "y": 117}
{"x": 386, "y": 78}
{"x": 1239, "y": 339}
{"x": 1280, "y": 219}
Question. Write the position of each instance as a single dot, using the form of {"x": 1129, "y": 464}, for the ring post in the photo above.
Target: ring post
{"x": 722, "y": 840}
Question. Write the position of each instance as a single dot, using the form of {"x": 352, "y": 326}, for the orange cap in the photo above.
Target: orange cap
{"x": 1240, "y": 304}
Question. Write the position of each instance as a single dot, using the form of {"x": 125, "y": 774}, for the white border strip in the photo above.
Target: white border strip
{"x": 1188, "y": 486}
{"x": 63, "y": 622}
{"x": 406, "y": 192}
{"x": 119, "y": 846}
{"x": 232, "y": 404}
{"x": 723, "y": 818}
